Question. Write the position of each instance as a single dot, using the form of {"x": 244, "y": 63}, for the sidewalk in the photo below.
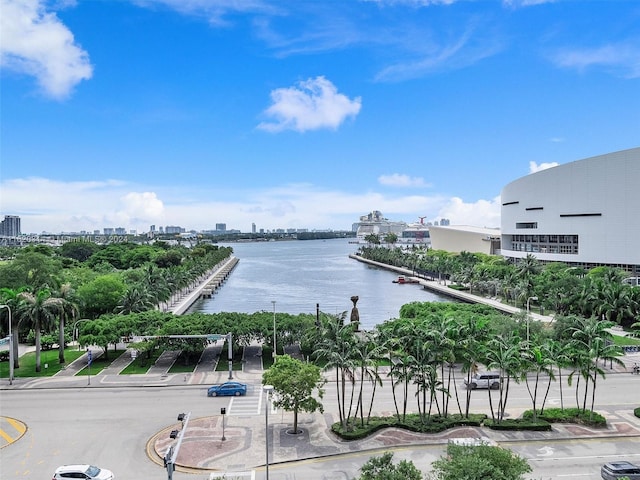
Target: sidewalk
{"x": 244, "y": 446}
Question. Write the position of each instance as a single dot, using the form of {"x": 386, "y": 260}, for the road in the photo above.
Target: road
{"x": 111, "y": 427}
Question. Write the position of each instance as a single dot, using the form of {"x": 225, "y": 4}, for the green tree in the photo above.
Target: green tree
{"x": 80, "y": 251}
{"x": 479, "y": 462}
{"x": 30, "y": 269}
{"x": 383, "y": 468}
{"x": 294, "y": 382}
{"x": 336, "y": 348}
{"x": 101, "y": 295}
{"x": 372, "y": 239}
{"x": 68, "y": 311}
{"x": 38, "y": 311}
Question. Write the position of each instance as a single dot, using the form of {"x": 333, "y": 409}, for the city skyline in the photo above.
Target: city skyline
{"x": 302, "y": 115}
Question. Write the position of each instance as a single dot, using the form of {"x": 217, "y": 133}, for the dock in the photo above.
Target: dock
{"x": 211, "y": 282}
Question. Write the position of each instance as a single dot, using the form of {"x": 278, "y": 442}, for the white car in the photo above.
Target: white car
{"x": 484, "y": 380}
{"x": 83, "y": 472}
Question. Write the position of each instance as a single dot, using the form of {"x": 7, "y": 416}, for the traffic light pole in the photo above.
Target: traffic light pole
{"x": 172, "y": 452}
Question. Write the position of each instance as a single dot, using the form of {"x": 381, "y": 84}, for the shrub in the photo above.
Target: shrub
{"x": 519, "y": 424}
{"x": 568, "y": 415}
{"x": 412, "y": 422}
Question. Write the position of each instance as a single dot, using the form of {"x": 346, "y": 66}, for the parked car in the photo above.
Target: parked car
{"x": 227, "y": 388}
{"x": 616, "y": 470}
{"x": 82, "y": 471}
{"x": 483, "y": 380}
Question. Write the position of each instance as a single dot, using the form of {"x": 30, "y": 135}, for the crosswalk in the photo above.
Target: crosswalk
{"x": 251, "y": 404}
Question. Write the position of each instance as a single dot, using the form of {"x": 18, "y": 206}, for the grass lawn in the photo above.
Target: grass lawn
{"x": 620, "y": 340}
{"x": 100, "y": 363}
{"x": 180, "y": 367}
{"x": 142, "y": 364}
{"x": 48, "y": 362}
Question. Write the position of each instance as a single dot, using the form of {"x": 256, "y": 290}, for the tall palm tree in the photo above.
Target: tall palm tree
{"x": 39, "y": 311}
{"x": 68, "y": 311}
{"x": 336, "y": 349}
{"x": 537, "y": 360}
{"x": 11, "y": 298}
{"x": 592, "y": 342}
{"x": 503, "y": 355}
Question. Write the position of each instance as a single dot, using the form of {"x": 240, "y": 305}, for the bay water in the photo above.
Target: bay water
{"x": 298, "y": 274}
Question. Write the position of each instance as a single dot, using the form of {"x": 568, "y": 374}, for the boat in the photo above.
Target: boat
{"x": 402, "y": 280}
{"x": 375, "y": 223}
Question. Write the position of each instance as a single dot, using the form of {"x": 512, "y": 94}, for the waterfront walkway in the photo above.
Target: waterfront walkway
{"x": 442, "y": 288}
{"x": 206, "y": 286}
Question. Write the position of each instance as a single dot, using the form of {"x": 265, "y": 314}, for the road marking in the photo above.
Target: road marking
{"x": 17, "y": 429}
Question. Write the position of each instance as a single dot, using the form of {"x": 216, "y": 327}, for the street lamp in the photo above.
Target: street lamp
{"x": 267, "y": 389}
{"x": 75, "y": 331}
{"x": 274, "y": 328}
{"x": 529, "y": 313}
{"x": 10, "y": 345}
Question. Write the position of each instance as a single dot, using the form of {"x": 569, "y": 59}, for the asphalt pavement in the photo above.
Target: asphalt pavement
{"x": 243, "y": 447}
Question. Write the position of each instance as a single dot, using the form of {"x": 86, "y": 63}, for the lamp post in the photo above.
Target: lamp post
{"x": 10, "y": 345}
{"x": 529, "y": 313}
{"x": 274, "y": 329}
{"x": 267, "y": 389}
{"x": 75, "y": 331}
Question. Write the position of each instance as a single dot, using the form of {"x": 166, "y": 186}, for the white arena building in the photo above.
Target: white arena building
{"x": 584, "y": 213}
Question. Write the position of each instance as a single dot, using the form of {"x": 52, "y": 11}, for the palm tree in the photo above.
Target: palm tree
{"x": 336, "y": 347}
{"x": 560, "y": 354}
{"x": 503, "y": 354}
{"x": 68, "y": 310}
{"x": 136, "y": 299}
{"x": 592, "y": 342}
{"x": 367, "y": 353}
{"x": 39, "y": 311}
{"x": 11, "y": 298}
{"x": 537, "y": 359}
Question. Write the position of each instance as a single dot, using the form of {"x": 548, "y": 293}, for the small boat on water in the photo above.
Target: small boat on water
{"x": 402, "y": 280}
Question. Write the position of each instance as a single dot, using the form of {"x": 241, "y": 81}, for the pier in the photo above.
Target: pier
{"x": 207, "y": 288}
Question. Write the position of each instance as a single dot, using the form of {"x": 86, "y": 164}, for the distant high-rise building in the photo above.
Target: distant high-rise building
{"x": 120, "y": 231}
{"x": 152, "y": 228}
{"x": 173, "y": 229}
{"x": 10, "y": 226}
{"x": 221, "y": 227}
{"x": 107, "y": 231}
{"x": 444, "y": 222}
{"x": 253, "y": 228}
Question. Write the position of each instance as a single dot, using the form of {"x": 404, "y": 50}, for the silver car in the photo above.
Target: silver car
{"x": 483, "y": 380}
{"x": 617, "y": 470}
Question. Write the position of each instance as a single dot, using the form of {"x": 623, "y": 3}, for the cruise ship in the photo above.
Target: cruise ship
{"x": 377, "y": 224}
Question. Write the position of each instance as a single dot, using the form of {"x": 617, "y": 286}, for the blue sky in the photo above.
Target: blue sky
{"x": 302, "y": 114}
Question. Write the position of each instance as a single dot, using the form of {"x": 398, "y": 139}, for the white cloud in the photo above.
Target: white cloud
{"x": 400, "y": 180}
{"x": 311, "y": 105}
{"x": 451, "y": 51}
{"x": 534, "y": 167}
{"x": 37, "y": 43}
{"x": 95, "y": 205}
{"x": 622, "y": 58}
{"x": 213, "y": 11}
{"x": 525, "y": 3}
{"x": 482, "y": 213}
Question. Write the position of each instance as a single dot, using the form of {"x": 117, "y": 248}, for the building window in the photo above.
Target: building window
{"x": 527, "y": 225}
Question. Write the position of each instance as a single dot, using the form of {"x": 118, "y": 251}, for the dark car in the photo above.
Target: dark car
{"x": 227, "y": 388}
{"x": 616, "y": 470}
